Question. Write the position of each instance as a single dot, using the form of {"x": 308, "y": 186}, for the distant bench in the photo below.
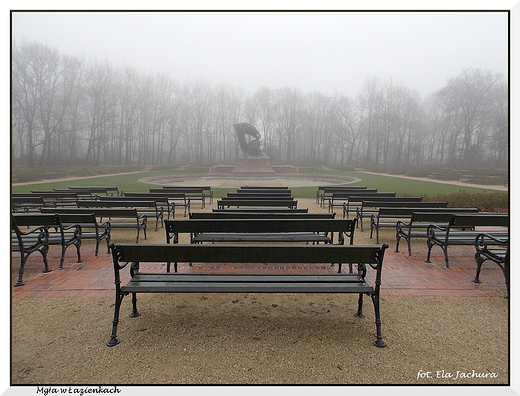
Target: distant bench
{"x": 365, "y": 207}
{"x": 147, "y": 207}
{"x": 152, "y": 282}
{"x": 256, "y": 202}
{"x": 325, "y": 191}
{"x": 339, "y": 199}
{"x": 106, "y": 190}
{"x": 119, "y": 218}
{"x": 248, "y": 210}
{"x": 26, "y": 202}
{"x": 229, "y": 214}
{"x": 194, "y": 193}
{"x": 463, "y": 229}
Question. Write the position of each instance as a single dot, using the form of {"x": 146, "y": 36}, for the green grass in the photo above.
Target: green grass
{"x": 402, "y": 187}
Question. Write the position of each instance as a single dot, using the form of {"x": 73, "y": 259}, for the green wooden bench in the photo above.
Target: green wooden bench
{"x": 137, "y": 255}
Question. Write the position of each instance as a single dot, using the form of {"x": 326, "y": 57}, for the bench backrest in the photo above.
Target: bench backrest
{"x": 424, "y": 214}
{"x": 436, "y": 216}
{"x": 257, "y": 202}
{"x": 282, "y": 194}
{"x": 403, "y": 204}
{"x": 264, "y": 187}
{"x": 78, "y": 218}
{"x": 480, "y": 219}
{"x": 185, "y": 188}
{"x": 34, "y": 220}
{"x": 371, "y": 201}
{"x": 262, "y": 210}
{"x": 56, "y": 194}
{"x": 330, "y": 189}
{"x": 361, "y": 197}
{"x": 162, "y": 198}
{"x": 259, "y": 197}
{"x": 259, "y": 215}
{"x": 259, "y": 225}
{"x": 98, "y": 212}
{"x": 248, "y": 253}
{"x": 117, "y": 203}
{"x": 97, "y": 188}
{"x": 360, "y": 193}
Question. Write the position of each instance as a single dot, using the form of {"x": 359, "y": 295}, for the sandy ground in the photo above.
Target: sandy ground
{"x": 260, "y": 339}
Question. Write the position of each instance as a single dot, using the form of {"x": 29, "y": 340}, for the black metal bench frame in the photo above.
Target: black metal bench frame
{"x": 461, "y": 230}
{"x": 36, "y": 232}
{"x": 387, "y": 215}
{"x": 416, "y": 226}
{"x": 143, "y": 207}
{"x": 142, "y": 282}
{"x": 488, "y": 247}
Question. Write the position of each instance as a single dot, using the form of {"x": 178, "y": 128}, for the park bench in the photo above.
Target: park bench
{"x": 36, "y": 232}
{"x": 416, "y": 226}
{"x": 138, "y": 255}
{"x": 161, "y": 200}
{"x": 26, "y": 203}
{"x": 256, "y": 202}
{"x": 261, "y": 210}
{"x": 109, "y": 190}
{"x": 261, "y": 230}
{"x": 228, "y": 214}
{"x": 90, "y": 228}
{"x": 143, "y": 207}
{"x": 387, "y": 214}
{"x": 52, "y": 175}
{"x": 255, "y": 194}
{"x": 324, "y": 191}
{"x": 178, "y": 199}
{"x": 119, "y": 218}
{"x": 327, "y": 194}
{"x": 196, "y": 192}
{"x": 355, "y": 198}
{"x": 366, "y": 207}
{"x": 462, "y": 229}
{"x": 57, "y": 198}
{"x": 488, "y": 247}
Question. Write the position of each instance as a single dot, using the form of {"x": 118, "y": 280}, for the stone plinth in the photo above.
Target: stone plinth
{"x": 253, "y": 165}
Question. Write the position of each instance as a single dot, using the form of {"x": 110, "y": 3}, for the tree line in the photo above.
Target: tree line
{"x": 70, "y": 110}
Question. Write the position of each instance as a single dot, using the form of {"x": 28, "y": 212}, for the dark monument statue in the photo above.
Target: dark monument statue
{"x": 250, "y": 149}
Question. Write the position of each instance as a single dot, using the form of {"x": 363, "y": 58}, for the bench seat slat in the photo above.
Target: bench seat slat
{"x": 184, "y": 277}
{"x": 252, "y": 237}
{"x": 246, "y": 287}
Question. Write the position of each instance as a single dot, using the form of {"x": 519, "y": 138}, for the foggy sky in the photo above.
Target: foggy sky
{"x": 323, "y": 51}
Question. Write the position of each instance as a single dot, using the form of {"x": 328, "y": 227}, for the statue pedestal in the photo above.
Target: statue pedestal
{"x": 253, "y": 165}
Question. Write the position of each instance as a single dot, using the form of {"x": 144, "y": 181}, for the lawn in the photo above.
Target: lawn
{"x": 402, "y": 187}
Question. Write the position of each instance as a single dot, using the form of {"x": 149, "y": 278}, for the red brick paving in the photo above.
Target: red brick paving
{"x": 403, "y": 275}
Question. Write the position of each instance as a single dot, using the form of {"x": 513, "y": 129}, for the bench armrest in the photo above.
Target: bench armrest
{"x": 76, "y": 227}
{"x": 484, "y": 240}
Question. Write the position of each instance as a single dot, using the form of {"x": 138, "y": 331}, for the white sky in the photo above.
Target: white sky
{"x": 324, "y": 51}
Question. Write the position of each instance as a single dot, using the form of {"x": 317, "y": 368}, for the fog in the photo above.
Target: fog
{"x": 312, "y": 51}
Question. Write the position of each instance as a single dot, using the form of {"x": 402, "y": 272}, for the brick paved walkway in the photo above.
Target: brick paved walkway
{"x": 403, "y": 275}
